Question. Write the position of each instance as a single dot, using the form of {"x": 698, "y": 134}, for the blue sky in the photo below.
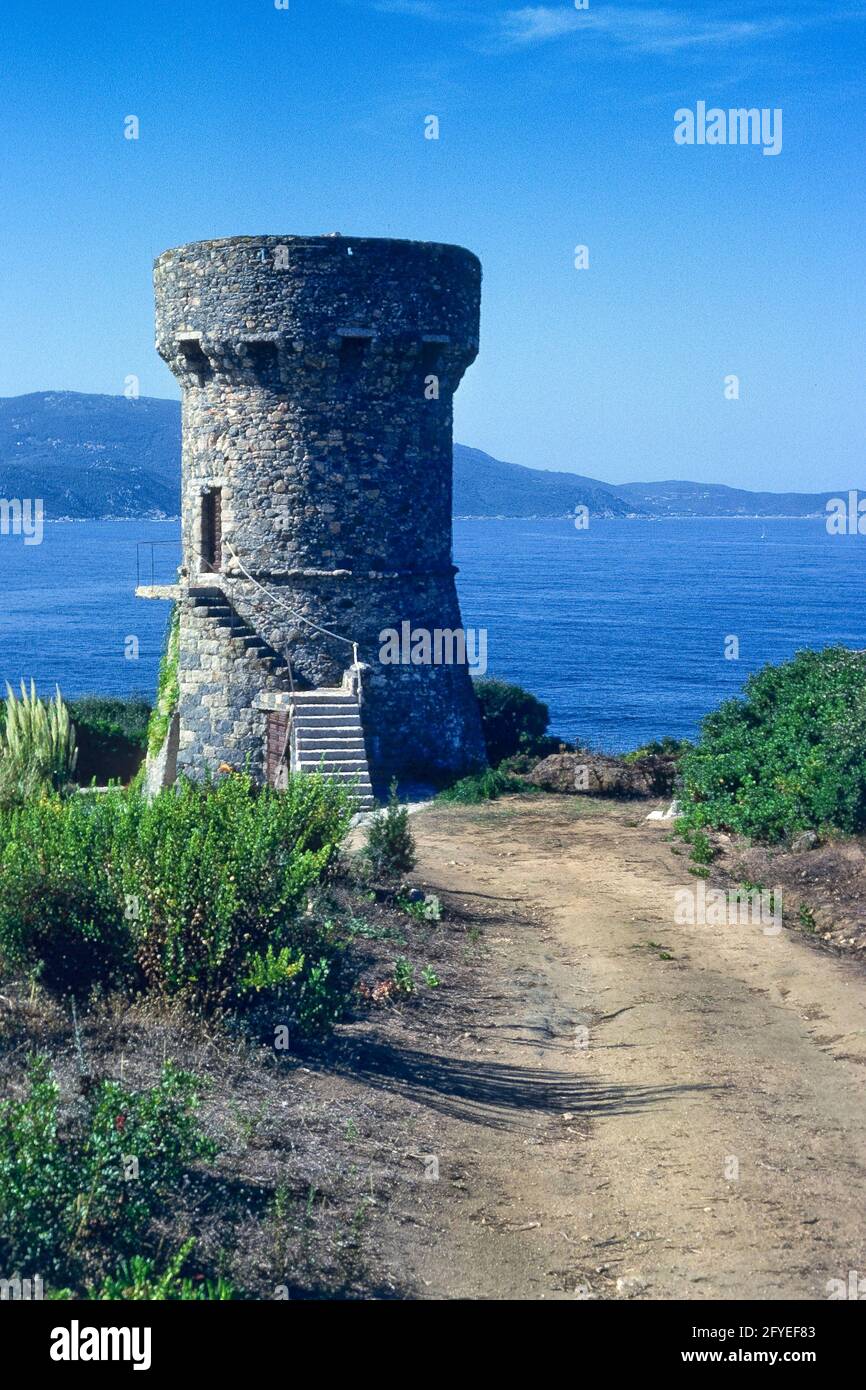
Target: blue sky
{"x": 556, "y": 129}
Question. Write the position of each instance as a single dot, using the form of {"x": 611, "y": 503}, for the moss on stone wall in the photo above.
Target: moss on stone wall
{"x": 168, "y": 691}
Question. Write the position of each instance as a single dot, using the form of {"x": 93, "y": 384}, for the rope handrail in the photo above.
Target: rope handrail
{"x": 299, "y": 617}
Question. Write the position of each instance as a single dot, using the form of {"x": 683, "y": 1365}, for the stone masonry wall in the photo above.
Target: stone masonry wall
{"x": 218, "y": 684}
{"x": 306, "y": 366}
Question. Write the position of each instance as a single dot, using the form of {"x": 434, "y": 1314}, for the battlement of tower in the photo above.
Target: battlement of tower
{"x": 271, "y": 308}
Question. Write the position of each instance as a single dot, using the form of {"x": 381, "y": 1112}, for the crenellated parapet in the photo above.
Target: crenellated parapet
{"x": 254, "y": 309}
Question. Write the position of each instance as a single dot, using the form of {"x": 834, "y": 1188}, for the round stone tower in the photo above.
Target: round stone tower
{"x": 318, "y": 375}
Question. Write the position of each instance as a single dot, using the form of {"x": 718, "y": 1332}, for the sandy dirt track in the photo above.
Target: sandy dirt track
{"x": 619, "y": 1124}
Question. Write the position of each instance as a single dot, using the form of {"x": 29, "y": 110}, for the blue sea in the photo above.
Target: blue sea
{"x": 621, "y": 628}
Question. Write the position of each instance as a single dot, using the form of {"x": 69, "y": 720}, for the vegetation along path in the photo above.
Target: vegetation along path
{"x": 635, "y": 1109}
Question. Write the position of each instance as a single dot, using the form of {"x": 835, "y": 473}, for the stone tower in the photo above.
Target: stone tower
{"x": 318, "y": 375}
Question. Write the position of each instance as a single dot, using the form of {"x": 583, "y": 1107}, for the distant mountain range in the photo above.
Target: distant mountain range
{"x": 484, "y": 486}
{"x": 91, "y": 456}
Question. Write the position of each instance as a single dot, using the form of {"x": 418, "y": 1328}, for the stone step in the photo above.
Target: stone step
{"x": 353, "y": 745}
{"x": 328, "y": 697}
{"x": 331, "y": 738}
{"x": 327, "y": 766}
{"x": 336, "y": 733}
{"x": 317, "y": 712}
{"x": 343, "y": 725}
{"x": 350, "y": 784}
{"x": 350, "y": 780}
{"x": 227, "y": 620}
{"x": 332, "y": 757}
{"x": 321, "y": 715}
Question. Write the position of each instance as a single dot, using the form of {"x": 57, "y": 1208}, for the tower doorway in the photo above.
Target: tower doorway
{"x": 211, "y": 530}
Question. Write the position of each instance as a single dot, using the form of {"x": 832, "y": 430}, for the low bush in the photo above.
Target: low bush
{"x": 112, "y": 737}
{"x": 126, "y": 717}
{"x": 63, "y": 917}
{"x": 513, "y": 721}
{"x": 485, "y": 786}
{"x": 789, "y": 756}
{"x": 390, "y": 847}
{"x": 77, "y": 1191}
{"x": 141, "y": 1279}
{"x": 197, "y": 894}
{"x": 217, "y": 877}
{"x": 666, "y": 747}
{"x": 168, "y": 688}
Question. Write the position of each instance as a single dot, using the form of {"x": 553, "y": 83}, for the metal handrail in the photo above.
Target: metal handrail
{"x": 298, "y": 617}
{"x": 138, "y": 563}
{"x": 290, "y": 719}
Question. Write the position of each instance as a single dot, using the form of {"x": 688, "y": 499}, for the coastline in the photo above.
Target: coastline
{"x": 501, "y": 516}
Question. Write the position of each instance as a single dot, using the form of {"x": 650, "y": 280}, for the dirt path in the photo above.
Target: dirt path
{"x": 621, "y": 1124}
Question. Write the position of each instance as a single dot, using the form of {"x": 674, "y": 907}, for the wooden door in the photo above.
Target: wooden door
{"x": 276, "y": 765}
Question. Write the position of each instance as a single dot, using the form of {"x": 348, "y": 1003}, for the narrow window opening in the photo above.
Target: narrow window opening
{"x": 263, "y": 356}
{"x": 196, "y": 361}
{"x": 431, "y": 357}
{"x": 211, "y": 530}
{"x": 352, "y": 353}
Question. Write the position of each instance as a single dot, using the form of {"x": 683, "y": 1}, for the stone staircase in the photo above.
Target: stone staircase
{"x": 328, "y": 733}
{"x": 329, "y": 738}
{"x": 214, "y": 603}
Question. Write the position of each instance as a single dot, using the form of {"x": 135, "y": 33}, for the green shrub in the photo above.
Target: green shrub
{"x": 659, "y": 748}
{"x": 168, "y": 688}
{"x": 513, "y": 720}
{"x": 427, "y": 908}
{"x": 220, "y": 874}
{"x": 271, "y": 970}
{"x": 123, "y": 717}
{"x": 37, "y": 746}
{"x": 702, "y": 850}
{"x": 70, "y": 1200}
{"x": 112, "y": 737}
{"x": 485, "y": 786}
{"x": 390, "y": 847}
{"x": 195, "y": 894}
{"x": 62, "y": 910}
{"x": 140, "y": 1279}
{"x": 789, "y": 756}
{"x": 322, "y": 997}
{"x": 404, "y": 976}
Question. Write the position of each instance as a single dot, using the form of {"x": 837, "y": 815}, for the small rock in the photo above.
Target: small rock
{"x": 628, "y": 1288}
{"x": 804, "y": 841}
{"x": 593, "y": 774}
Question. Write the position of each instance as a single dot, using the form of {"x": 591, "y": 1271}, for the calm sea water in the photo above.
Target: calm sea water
{"x": 621, "y": 628}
